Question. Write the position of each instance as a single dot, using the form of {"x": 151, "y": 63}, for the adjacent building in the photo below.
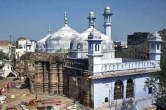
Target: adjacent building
{"x": 24, "y": 45}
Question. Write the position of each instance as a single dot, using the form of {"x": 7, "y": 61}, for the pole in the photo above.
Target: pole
{"x": 109, "y": 99}
{"x": 10, "y": 39}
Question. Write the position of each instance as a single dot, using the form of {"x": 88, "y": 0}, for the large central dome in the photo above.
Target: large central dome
{"x": 60, "y": 40}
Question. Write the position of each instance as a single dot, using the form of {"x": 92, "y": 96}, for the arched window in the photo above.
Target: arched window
{"x": 71, "y": 45}
{"x": 78, "y": 46}
{"x": 118, "y": 90}
{"x": 97, "y": 47}
{"x": 91, "y": 47}
{"x": 130, "y": 88}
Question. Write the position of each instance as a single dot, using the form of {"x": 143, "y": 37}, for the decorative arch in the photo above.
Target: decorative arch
{"x": 130, "y": 88}
{"x": 118, "y": 90}
{"x": 97, "y": 47}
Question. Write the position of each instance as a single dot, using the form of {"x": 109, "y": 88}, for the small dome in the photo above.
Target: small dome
{"x": 91, "y": 14}
{"x": 28, "y": 42}
{"x": 156, "y": 34}
{"x": 155, "y": 37}
{"x": 107, "y": 10}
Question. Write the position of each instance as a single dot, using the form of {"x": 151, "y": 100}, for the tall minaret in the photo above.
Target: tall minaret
{"x": 65, "y": 19}
{"x": 91, "y": 19}
{"x": 155, "y": 46}
{"x": 107, "y": 21}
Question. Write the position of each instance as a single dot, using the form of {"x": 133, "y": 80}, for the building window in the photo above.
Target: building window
{"x": 149, "y": 90}
{"x": 91, "y": 47}
{"x": 152, "y": 45}
{"x": 97, "y": 47}
{"x": 158, "y": 46}
{"x": 118, "y": 90}
{"x": 71, "y": 46}
{"x": 78, "y": 46}
{"x": 106, "y": 99}
{"x": 130, "y": 88}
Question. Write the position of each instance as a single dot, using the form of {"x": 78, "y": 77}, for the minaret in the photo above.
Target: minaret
{"x": 65, "y": 19}
{"x": 107, "y": 21}
{"x": 155, "y": 46}
{"x": 91, "y": 19}
{"x": 94, "y": 52}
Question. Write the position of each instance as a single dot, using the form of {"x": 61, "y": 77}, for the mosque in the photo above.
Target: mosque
{"x": 92, "y": 74}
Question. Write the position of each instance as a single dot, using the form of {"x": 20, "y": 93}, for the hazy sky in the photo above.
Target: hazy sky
{"x": 31, "y": 18}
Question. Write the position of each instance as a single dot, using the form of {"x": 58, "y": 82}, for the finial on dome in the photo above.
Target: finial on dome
{"x": 49, "y": 30}
{"x": 65, "y": 19}
{"x": 107, "y": 10}
{"x": 156, "y": 33}
{"x": 91, "y": 19}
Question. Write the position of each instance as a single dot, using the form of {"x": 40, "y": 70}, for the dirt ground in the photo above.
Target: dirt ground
{"x": 23, "y": 95}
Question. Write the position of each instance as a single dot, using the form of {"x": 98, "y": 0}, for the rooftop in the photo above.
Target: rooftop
{"x": 3, "y": 43}
{"x": 124, "y": 73}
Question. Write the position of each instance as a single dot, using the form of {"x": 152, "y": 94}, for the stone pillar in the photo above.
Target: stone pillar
{"x": 112, "y": 91}
{"x": 45, "y": 78}
{"x": 39, "y": 77}
{"x": 87, "y": 98}
{"x": 124, "y": 88}
{"x": 32, "y": 89}
{"x": 66, "y": 81}
{"x": 53, "y": 79}
{"x": 60, "y": 82}
{"x": 87, "y": 89}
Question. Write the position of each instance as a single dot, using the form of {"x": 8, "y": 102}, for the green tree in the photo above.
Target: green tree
{"x": 3, "y": 57}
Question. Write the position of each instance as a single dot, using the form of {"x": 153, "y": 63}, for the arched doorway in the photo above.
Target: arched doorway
{"x": 118, "y": 90}
{"x": 130, "y": 88}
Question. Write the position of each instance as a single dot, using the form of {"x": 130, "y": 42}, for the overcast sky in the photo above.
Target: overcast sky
{"x": 31, "y": 18}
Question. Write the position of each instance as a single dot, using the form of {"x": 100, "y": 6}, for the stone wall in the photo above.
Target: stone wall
{"x": 76, "y": 82}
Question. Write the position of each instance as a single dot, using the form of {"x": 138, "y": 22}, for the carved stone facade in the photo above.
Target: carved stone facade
{"x": 43, "y": 71}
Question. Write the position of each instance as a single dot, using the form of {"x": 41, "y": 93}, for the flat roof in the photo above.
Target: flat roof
{"x": 123, "y": 73}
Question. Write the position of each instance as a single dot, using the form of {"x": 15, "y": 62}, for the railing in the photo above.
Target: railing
{"x": 130, "y": 65}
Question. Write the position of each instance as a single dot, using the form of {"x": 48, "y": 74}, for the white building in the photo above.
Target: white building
{"x": 7, "y": 70}
{"x": 24, "y": 45}
{"x": 115, "y": 83}
{"x": 5, "y": 47}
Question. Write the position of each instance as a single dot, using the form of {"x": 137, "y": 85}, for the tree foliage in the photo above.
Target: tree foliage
{"x": 3, "y": 57}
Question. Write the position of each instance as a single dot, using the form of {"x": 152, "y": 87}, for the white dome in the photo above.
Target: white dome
{"x": 60, "y": 40}
{"x": 107, "y": 10}
{"x": 155, "y": 37}
{"x": 65, "y": 33}
{"x": 107, "y": 43}
{"x": 43, "y": 39}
